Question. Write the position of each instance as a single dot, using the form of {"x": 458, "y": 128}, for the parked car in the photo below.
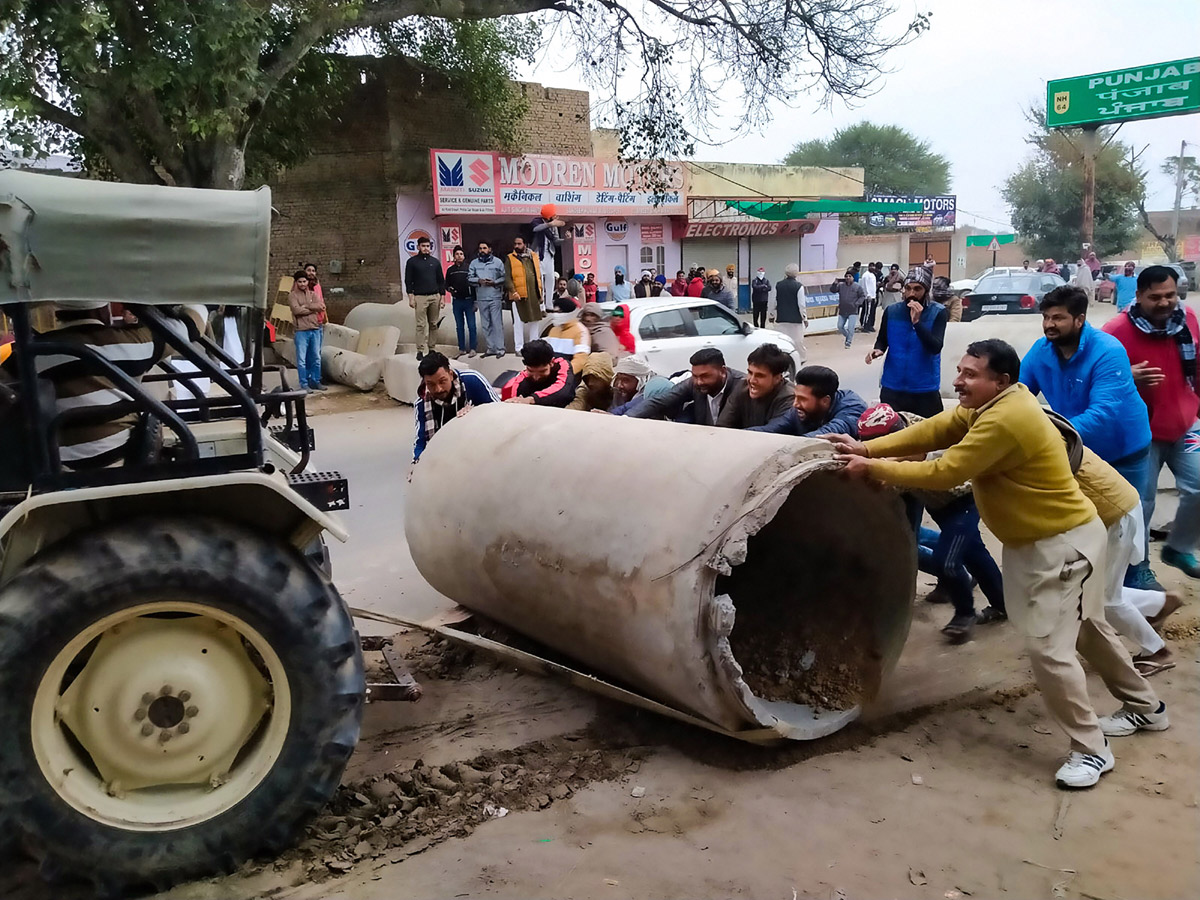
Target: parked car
{"x": 667, "y": 331}
{"x": 1014, "y": 294}
{"x": 966, "y": 285}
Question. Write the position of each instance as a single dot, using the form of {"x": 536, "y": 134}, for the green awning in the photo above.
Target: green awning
{"x": 798, "y": 209}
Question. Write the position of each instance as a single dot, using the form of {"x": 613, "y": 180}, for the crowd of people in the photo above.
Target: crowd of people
{"x": 1068, "y": 488}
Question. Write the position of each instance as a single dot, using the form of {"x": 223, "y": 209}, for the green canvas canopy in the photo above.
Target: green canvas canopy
{"x": 72, "y": 240}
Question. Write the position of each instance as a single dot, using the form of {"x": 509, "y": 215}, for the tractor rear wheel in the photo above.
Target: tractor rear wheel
{"x": 175, "y": 696}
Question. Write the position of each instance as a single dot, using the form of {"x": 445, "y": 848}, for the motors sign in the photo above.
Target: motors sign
{"x": 494, "y": 184}
{"x": 1142, "y": 92}
{"x": 936, "y": 212}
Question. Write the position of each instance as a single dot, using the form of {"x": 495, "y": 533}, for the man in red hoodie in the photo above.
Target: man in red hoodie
{"x": 1161, "y": 335}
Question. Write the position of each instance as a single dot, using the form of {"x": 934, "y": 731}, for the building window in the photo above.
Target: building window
{"x": 654, "y": 259}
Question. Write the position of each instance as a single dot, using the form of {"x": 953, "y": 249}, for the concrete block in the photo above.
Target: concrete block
{"x": 351, "y": 369}
{"x": 339, "y": 337}
{"x": 378, "y": 341}
{"x": 400, "y": 378}
{"x": 400, "y": 315}
{"x": 285, "y": 348}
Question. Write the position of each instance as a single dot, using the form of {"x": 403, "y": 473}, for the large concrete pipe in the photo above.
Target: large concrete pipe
{"x": 731, "y": 575}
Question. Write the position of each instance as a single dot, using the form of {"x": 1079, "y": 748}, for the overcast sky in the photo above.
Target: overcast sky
{"x": 965, "y": 84}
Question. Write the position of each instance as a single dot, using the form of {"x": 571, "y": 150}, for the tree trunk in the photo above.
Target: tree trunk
{"x": 228, "y": 165}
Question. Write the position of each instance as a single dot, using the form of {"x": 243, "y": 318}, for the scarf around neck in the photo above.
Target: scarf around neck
{"x": 1177, "y": 328}
{"x": 436, "y": 410}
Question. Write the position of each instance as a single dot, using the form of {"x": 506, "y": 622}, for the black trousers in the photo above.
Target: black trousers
{"x": 868, "y": 314}
{"x": 926, "y": 403}
{"x": 759, "y": 308}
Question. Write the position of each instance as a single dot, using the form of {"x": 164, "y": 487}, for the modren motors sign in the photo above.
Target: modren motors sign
{"x": 485, "y": 183}
{"x": 1143, "y": 92}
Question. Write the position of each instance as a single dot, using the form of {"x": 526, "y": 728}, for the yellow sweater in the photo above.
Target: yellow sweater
{"x": 1013, "y": 456}
{"x": 1108, "y": 490}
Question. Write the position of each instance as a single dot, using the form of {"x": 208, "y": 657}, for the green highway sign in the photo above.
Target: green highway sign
{"x": 1142, "y": 92}
{"x": 985, "y": 240}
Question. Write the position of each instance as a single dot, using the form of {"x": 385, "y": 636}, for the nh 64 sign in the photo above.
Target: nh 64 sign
{"x": 1142, "y": 92}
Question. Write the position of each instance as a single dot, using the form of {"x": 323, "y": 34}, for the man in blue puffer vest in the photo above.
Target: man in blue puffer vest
{"x": 911, "y": 334}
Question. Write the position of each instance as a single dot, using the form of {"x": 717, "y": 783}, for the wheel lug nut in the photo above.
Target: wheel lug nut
{"x": 147, "y": 699}
{"x": 164, "y": 736}
{"x": 147, "y": 729}
{"x": 184, "y": 728}
{"x": 185, "y": 696}
{"x": 140, "y": 714}
{"x": 192, "y": 711}
{"x": 165, "y": 690}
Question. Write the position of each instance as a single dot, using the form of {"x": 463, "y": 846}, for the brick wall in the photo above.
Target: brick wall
{"x": 340, "y": 204}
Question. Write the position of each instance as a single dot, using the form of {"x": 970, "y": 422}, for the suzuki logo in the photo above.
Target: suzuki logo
{"x": 480, "y": 172}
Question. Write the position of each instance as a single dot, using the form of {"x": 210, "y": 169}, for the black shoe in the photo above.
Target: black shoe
{"x": 991, "y": 615}
{"x": 420, "y": 356}
{"x": 938, "y": 595}
{"x": 958, "y": 630}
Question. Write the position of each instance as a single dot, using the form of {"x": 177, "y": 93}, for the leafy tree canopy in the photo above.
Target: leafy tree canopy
{"x": 198, "y": 93}
{"x": 1045, "y": 195}
{"x": 893, "y": 160}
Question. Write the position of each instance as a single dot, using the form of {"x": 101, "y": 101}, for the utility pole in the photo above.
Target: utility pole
{"x": 1178, "y": 201}
{"x": 1091, "y": 137}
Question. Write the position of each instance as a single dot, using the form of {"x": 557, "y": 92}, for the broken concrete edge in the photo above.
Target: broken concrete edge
{"x": 769, "y": 491}
{"x": 529, "y": 662}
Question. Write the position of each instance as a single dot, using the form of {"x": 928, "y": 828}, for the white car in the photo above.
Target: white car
{"x": 668, "y": 330}
{"x": 966, "y": 285}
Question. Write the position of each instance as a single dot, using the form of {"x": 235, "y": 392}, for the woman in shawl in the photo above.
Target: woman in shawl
{"x": 620, "y": 326}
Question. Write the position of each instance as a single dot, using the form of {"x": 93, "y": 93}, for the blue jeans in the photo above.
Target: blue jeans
{"x": 846, "y": 325}
{"x": 957, "y": 555}
{"x": 464, "y": 321}
{"x": 1183, "y": 459}
{"x": 308, "y": 357}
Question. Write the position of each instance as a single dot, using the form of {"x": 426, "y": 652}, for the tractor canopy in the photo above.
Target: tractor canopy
{"x": 71, "y": 240}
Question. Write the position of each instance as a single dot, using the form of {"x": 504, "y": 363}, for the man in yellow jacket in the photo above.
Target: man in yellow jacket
{"x": 523, "y": 285}
{"x": 1000, "y": 439}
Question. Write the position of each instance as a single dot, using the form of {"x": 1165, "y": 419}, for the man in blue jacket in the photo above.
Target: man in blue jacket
{"x": 1084, "y": 375}
{"x": 911, "y": 334}
{"x": 445, "y": 394}
{"x": 819, "y": 407}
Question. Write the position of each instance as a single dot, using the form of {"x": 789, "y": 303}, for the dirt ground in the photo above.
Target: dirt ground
{"x": 943, "y": 791}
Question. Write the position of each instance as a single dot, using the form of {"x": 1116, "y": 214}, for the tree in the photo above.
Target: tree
{"x": 1045, "y": 195}
{"x": 893, "y": 160}
{"x": 182, "y": 91}
{"x": 1191, "y": 175}
{"x": 1191, "y": 186}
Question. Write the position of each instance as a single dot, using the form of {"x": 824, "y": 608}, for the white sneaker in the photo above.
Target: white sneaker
{"x": 1082, "y": 770}
{"x": 1124, "y": 721}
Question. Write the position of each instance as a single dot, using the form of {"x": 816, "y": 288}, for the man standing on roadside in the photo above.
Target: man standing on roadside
{"x": 1160, "y": 338}
{"x": 548, "y": 231}
{"x": 462, "y": 298}
{"x": 870, "y": 285}
{"x": 765, "y": 397}
{"x": 760, "y": 293}
{"x": 788, "y": 309}
{"x": 426, "y": 287}
{"x": 716, "y": 289}
{"x": 522, "y": 283}
{"x": 731, "y": 284}
{"x": 850, "y": 300}
{"x": 486, "y": 275}
{"x": 1000, "y": 440}
{"x": 893, "y": 287}
{"x": 911, "y": 335}
{"x": 1126, "y": 283}
{"x": 680, "y": 285}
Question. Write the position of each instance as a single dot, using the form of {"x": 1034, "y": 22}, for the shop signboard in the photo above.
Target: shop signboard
{"x": 450, "y": 234}
{"x": 652, "y": 233}
{"x": 937, "y": 212}
{"x": 732, "y": 229}
{"x": 1140, "y": 92}
{"x": 584, "y": 246}
{"x": 466, "y": 182}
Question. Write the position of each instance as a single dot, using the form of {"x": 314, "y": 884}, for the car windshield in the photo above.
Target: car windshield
{"x": 1007, "y": 284}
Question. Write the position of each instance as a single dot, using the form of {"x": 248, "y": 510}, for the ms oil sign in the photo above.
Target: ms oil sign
{"x": 616, "y": 229}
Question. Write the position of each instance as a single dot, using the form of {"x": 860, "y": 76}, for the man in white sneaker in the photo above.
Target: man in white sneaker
{"x": 1054, "y": 544}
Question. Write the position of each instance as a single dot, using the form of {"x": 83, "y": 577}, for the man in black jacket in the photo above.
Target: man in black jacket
{"x": 765, "y": 397}
{"x": 462, "y": 295}
{"x": 708, "y": 390}
{"x": 426, "y": 287}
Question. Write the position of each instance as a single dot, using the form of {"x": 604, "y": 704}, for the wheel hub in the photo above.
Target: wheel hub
{"x": 165, "y": 701}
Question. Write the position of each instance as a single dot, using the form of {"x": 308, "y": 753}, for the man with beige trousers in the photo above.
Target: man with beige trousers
{"x": 425, "y": 284}
{"x": 1054, "y": 563}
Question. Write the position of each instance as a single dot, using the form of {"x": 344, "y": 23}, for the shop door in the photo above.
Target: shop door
{"x": 919, "y": 248}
